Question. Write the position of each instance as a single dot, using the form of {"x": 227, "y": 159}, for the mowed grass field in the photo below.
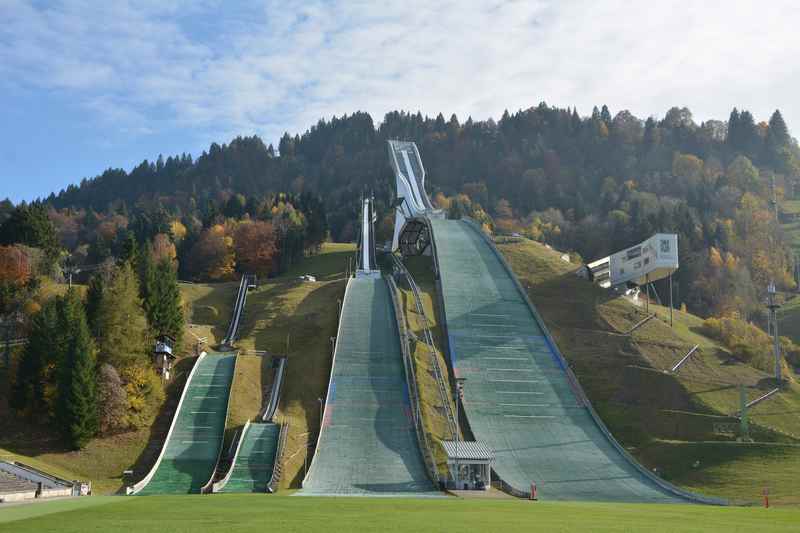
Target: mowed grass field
{"x": 256, "y": 512}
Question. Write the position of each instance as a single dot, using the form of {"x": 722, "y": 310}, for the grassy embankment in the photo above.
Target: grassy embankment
{"x": 668, "y": 421}
{"x": 434, "y": 418}
{"x": 254, "y": 512}
{"x": 789, "y": 314}
{"x": 306, "y": 313}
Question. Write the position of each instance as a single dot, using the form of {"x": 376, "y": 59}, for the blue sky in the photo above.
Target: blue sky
{"x": 87, "y": 85}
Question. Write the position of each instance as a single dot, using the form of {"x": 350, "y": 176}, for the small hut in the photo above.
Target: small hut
{"x": 470, "y": 464}
{"x": 163, "y": 358}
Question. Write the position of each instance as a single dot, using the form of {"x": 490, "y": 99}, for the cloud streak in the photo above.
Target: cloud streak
{"x": 216, "y": 69}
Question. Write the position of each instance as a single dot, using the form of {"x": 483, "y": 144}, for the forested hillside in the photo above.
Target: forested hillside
{"x": 590, "y": 184}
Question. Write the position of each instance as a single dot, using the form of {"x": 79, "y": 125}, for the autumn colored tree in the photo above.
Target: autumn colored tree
{"x": 212, "y": 256}
{"x": 163, "y": 248}
{"x": 15, "y": 267}
{"x": 255, "y": 244}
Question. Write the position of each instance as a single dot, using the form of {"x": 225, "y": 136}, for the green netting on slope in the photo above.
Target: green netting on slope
{"x": 368, "y": 445}
{"x": 517, "y": 397}
{"x": 253, "y": 464}
{"x": 193, "y": 448}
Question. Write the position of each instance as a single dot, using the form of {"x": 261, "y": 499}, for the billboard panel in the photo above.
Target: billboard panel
{"x": 653, "y": 259}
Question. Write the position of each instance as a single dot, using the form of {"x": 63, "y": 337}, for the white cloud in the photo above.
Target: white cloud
{"x": 220, "y": 68}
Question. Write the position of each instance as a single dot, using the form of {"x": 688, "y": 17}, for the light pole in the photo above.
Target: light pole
{"x": 459, "y": 394}
{"x": 773, "y": 308}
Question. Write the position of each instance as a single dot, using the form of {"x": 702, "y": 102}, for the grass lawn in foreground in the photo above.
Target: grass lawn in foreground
{"x": 258, "y": 512}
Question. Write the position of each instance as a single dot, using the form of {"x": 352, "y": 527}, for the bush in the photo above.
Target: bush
{"x": 145, "y": 395}
{"x": 749, "y": 343}
{"x": 112, "y": 400}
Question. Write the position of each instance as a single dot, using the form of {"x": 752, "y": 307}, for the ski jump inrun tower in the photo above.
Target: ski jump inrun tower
{"x": 410, "y": 235}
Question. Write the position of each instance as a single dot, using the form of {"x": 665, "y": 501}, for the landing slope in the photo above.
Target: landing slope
{"x": 252, "y": 467}
{"x": 518, "y": 398}
{"x": 193, "y": 446}
{"x": 367, "y": 444}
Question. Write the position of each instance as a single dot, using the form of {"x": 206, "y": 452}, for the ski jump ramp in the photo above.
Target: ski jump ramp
{"x": 254, "y": 461}
{"x": 189, "y": 457}
{"x": 520, "y": 397}
{"x": 367, "y": 444}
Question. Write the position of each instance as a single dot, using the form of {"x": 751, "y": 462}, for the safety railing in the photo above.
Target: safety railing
{"x": 238, "y": 308}
{"x": 277, "y": 467}
{"x": 275, "y": 393}
{"x": 411, "y": 383}
{"x": 441, "y": 382}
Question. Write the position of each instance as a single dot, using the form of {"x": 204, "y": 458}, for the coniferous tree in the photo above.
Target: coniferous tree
{"x": 776, "y": 141}
{"x": 147, "y": 278}
{"x": 121, "y": 322}
{"x": 44, "y": 346}
{"x": 733, "y": 139}
{"x": 76, "y": 409}
{"x": 165, "y": 312}
{"x": 605, "y": 115}
{"x": 94, "y": 296}
{"x": 30, "y": 225}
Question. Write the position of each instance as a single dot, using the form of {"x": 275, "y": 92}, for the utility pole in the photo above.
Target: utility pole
{"x": 773, "y": 308}
{"x": 774, "y": 200}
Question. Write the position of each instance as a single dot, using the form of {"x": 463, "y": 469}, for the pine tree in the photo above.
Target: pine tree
{"x": 76, "y": 409}
{"x": 777, "y": 140}
{"x": 165, "y": 313}
{"x": 605, "y": 115}
{"x": 750, "y": 140}
{"x": 734, "y": 136}
{"x": 43, "y": 347}
{"x": 94, "y": 296}
{"x": 121, "y": 323}
{"x": 147, "y": 278}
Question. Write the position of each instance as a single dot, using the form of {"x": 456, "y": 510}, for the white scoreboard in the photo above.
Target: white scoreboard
{"x": 654, "y": 259}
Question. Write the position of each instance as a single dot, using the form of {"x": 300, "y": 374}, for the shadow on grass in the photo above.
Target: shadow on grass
{"x": 215, "y": 308}
{"x": 308, "y": 314}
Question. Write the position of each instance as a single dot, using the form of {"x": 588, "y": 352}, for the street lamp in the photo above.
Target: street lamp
{"x": 773, "y": 308}
{"x": 459, "y": 395}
